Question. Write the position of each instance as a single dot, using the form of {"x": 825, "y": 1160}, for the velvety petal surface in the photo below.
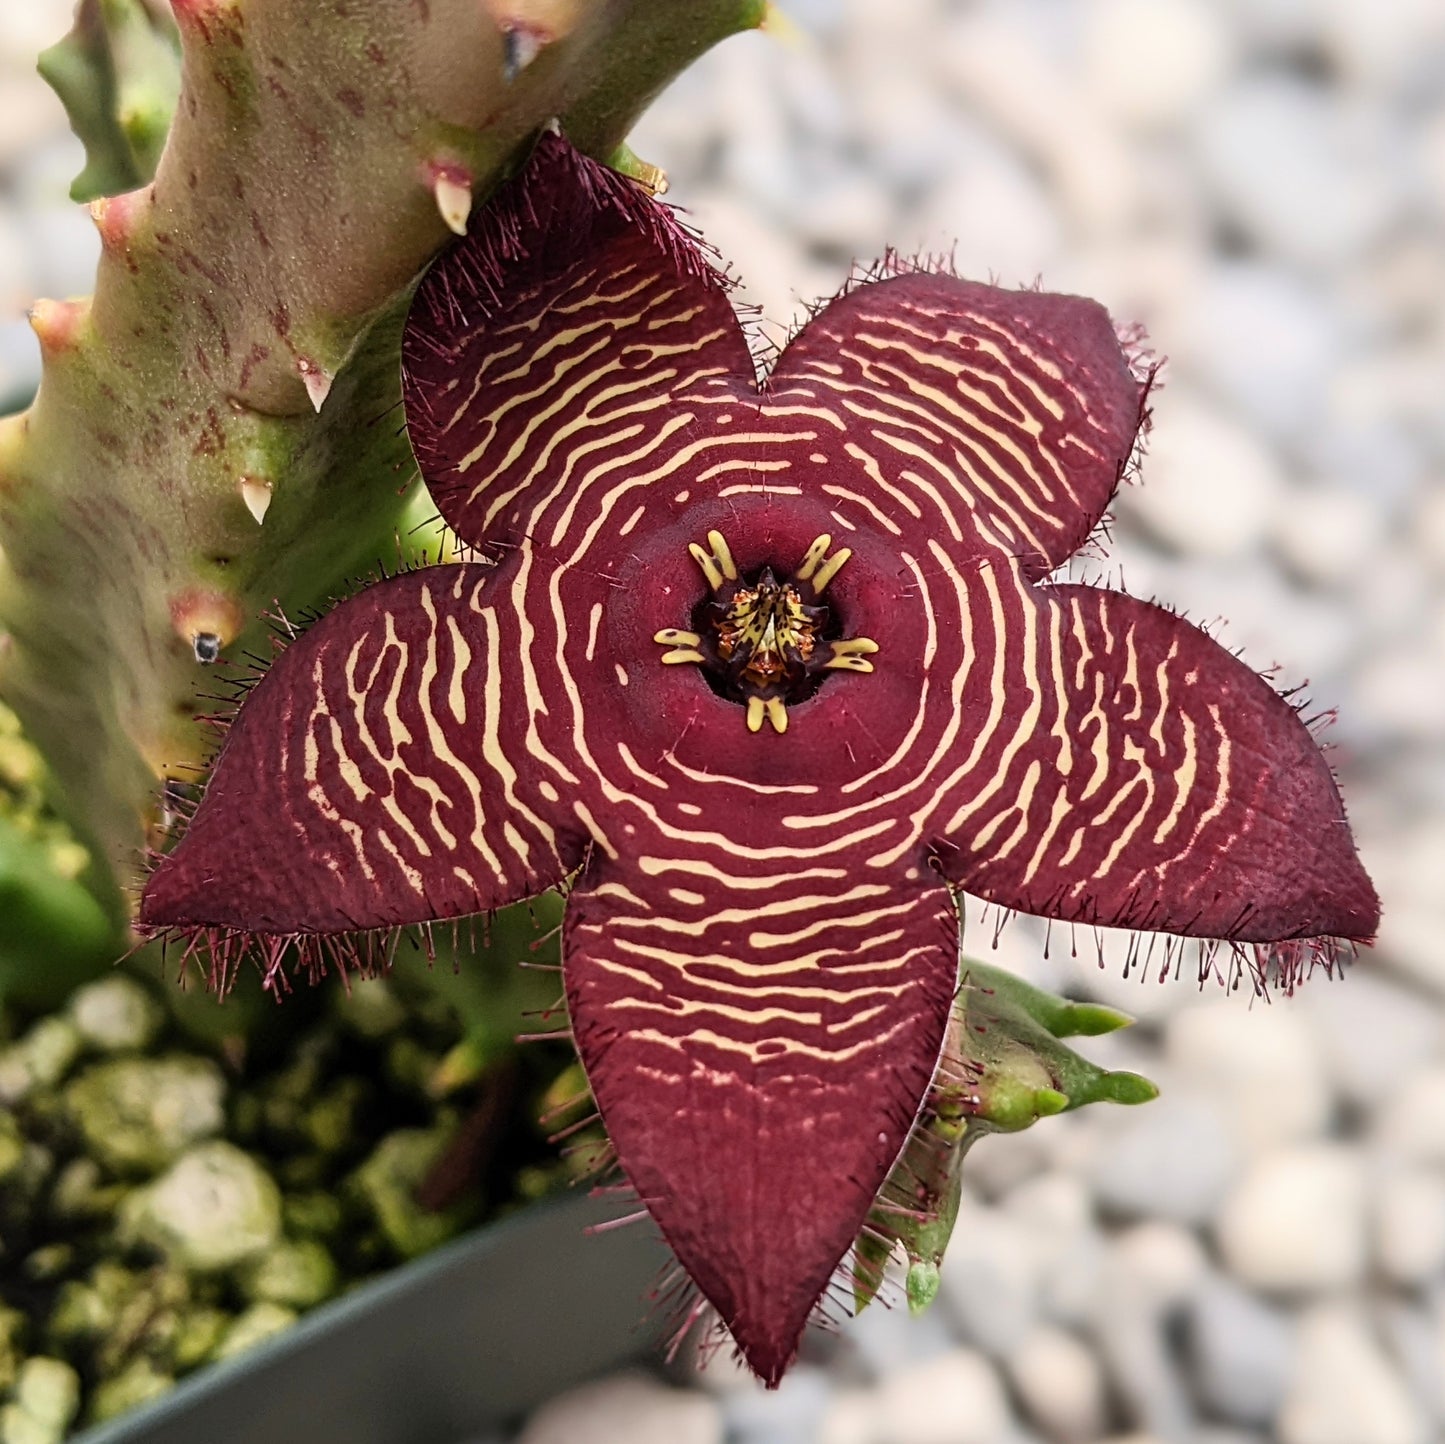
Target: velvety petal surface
{"x": 758, "y": 1035}
{"x": 1016, "y": 409}
{"x": 554, "y": 338}
{"x": 379, "y": 774}
{"x": 1113, "y": 764}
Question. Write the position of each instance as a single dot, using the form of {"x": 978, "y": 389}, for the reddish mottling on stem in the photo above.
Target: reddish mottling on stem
{"x": 58, "y": 324}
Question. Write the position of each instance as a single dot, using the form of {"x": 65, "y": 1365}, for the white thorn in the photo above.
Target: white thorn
{"x": 257, "y": 496}
{"x": 318, "y": 382}
{"x": 454, "y": 201}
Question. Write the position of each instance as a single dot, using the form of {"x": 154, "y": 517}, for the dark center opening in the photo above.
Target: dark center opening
{"x": 765, "y": 637}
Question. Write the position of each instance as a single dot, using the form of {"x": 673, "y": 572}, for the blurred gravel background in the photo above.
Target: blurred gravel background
{"x": 1260, "y": 1255}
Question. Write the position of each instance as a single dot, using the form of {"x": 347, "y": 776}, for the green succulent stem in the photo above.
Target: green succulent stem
{"x": 217, "y": 429}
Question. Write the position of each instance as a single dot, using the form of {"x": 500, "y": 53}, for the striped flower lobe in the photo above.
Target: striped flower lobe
{"x": 763, "y": 760}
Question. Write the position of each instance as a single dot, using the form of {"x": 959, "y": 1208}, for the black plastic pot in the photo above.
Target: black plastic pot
{"x": 437, "y": 1351}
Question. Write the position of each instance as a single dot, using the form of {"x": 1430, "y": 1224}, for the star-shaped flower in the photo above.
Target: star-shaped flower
{"x": 771, "y": 668}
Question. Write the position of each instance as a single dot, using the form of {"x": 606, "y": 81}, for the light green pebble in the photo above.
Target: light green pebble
{"x": 38, "y": 1059}
{"x": 298, "y": 1273}
{"x": 213, "y": 1209}
{"x": 333, "y": 1121}
{"x": 137, "y": 1383}
{"x": 138, "y": 1114}
{"x": 313, "y": 1214}
{"x": 13, "y": 1328}
{"x": 369, "y": 1007}
{"x": 12, "y": 1145}
{"x": 48, "y": 1390}
{"x": 386, "y": 1187}
{"x": 81, "y": 1194}
{"x": 252, "y": 1327}
{"x": 18, "y": 1427}
{"x": 198, "y": 1335}
{"x": 116, "y": 1014}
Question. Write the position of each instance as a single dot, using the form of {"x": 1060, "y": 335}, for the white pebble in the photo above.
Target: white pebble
{"x": 1211, "y": 488}
{"x": 1153, "y": 62}
{"x": 116, "y": 1014}
{"x": 1325, "y": 533}
{"x": 1372, "y": 1030}
{"x": 1260, "y": 1063}
{"x": 1411, "y": 1121}
{"x": 1410, "y": 1225}
{"x": 1060, "y": 1384}
{"x": 1313, "y": 182}
{"x": 1345, "y": 1390}
{"x": 626, "y": 1409}
{"x": 990, "y": 1284}
{"x": 851, "y": 1418}
{"x": 1241, "y": 1350}
{"x": 954, "y": 1398}
{"x": 1296, "y": 1220}
{"x": 1173, "y": 1158}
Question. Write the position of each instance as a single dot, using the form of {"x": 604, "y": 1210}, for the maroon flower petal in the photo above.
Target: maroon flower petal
{"x": 555, "y": 337}
{"x": 1018, "y": 408}
{"x": 379, "y": 775}
{"x": 758, "y": 1040}
{"x": 1115, "y": 765}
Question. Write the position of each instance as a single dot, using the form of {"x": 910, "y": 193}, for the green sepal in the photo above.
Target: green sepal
{"x": 1003, "y": 1068}
{"x": 1062, "y": 1018}
{"x": 118, "y": 75}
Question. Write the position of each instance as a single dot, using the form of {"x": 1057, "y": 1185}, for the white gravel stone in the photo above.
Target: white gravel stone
{"x": 1241, "y": 1351}
{"x": 954, "y": 1398}
{"x": 1211, "y": 488}
{"x": 990, "y": 1285}
{"x": 1344, "y": 1389}
{"x": 789, "y": 1414}
{"x": 1372, "y": 1030}
{"x": 1173, "y": 1159}
{"x": 1409, "y": 1225}
{"x": 1153, "y": 62}
{"x": 115, "y": 1014}
{"x": 1411, "y": 1122}
{"x": 851, "y": 1418}
{"x": 1326, "y": 533}
{"x": 1312, "y": 182}
{"x": 1296, "y": 1220}
{"x": 1392, "y": 46}
{"x": 1260, "y": 1063}
{"x": 626, "y": 1409}
{"x": 1060, "y": 1383}
{"x": 214, "y": 1208}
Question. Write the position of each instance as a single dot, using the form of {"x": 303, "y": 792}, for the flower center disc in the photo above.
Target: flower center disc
{"x": 763, "y": 643}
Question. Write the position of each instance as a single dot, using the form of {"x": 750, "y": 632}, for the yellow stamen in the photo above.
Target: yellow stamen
{"x": 755, "y": 714}
{"x": 830, "y": 569}
{"x": 851, "y": 655}
{"x": 717, "y": 565}
{"x": 777, "y": 714}
{"x": 687, "y": 654}
{"x": 676, "y": 637}
{"x": 812, "y": 557}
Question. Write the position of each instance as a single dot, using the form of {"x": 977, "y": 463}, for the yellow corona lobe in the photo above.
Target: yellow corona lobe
{"x": 761, "y": 641}
{"x": 717, "y": 565}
